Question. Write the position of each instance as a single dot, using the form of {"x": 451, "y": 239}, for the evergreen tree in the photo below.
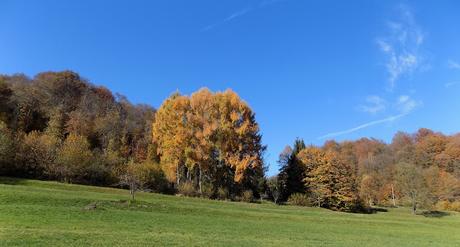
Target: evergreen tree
{"x": 292, "y": 171}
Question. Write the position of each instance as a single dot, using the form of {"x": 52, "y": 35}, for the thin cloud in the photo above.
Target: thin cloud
{"x": 401, "y": 46}
{"x": 237, "y": 14}
{"x": 453, "y": 64}
{"x": 240, "y": 13}
{"x": 402, "y": 50}
{"x": 406, "y": 104}
{"x": 229, "y": 18}
{"x": 374, "y": 105}
{"x": 450, "y": 84}
{"x": 363, "y": 126}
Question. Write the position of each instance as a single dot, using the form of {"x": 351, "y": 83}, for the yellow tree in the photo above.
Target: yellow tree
{"x": 202, "y": 125}
{"x": 207, "y": 133}
{"x": 38, "y": 153}
{"x": 330, "y": 179}
{"x": 312, "y": 158}
{"x": 369, "y": 188}
{"x": 73, "y": 158}
{"x": 171, "y": 135}
{"x": 239, "y": 141}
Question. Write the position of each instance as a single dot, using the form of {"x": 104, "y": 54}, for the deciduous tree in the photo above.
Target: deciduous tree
{"x": 413, "y": 185}
{"x": 73, "y": 159}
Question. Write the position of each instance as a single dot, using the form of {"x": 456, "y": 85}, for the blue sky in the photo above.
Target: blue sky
{"x": 310, "y": 69}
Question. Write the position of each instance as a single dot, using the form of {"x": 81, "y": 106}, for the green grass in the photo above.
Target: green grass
{"x": 36, "y": 213}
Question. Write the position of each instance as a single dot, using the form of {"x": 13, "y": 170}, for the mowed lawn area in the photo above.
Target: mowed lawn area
{"x": 36, "y": 213}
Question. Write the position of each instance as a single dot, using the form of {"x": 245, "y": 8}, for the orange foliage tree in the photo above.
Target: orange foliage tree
{"x": 208, "y": 136}
{"x": 329, "y": 179}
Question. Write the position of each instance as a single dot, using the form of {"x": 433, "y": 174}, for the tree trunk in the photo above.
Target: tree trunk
{"x": 199, "y": 180}
{"x": 189, "y": 176}
{"x": 414, "y": 207}
{"x": 131, "y": 190}
{"x": 393, "y": 195}
{"x": 177, "y": 176}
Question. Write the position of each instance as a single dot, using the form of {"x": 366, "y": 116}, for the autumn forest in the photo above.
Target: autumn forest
{"x": 59, "y": 126}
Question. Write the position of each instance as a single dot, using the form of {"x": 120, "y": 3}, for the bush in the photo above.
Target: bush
{"x": 152, "y": 177}
{"x": 247, "y": 196}
{"x": 6, "y": 149}
{"x": 37, "y": 154}
{"x": 73, "y": 159}
{"x": 98, "y": 173}
{"x": 222, "y": 193}
{"x": 298, "y": 199}
{"x": 442, "y": 205}
{"x": 207, "y": 190}
{"x": 187, "y": 189}
{"x": 446, "y": 205}
{"x": 455, "y": 206}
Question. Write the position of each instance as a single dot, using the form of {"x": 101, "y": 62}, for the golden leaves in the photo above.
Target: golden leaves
{"x": 190, "y": 131}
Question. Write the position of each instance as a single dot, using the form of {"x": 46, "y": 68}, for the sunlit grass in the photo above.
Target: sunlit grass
{"x": 36, "y": 213}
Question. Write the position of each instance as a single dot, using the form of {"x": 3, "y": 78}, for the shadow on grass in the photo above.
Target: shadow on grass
{"x": 13, "y": 181}
{"x": 121, "y": 204}
{"x": 434, "y": 214}
{"x": 373, "y": 210}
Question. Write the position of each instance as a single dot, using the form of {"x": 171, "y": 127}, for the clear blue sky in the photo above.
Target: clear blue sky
{"x": 309, "y": 69}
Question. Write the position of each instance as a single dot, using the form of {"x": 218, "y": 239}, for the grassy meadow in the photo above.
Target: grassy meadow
{"x": 37, "y": 213}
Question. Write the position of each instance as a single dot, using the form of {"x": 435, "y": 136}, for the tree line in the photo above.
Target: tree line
{"x": 59, "y": 126}
{"x": 420, "y": 170}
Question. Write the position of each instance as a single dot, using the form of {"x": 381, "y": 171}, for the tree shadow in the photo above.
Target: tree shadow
{"x": 12, "y": 181}
{"x": 434, "y": 214}
{"x": 364, "y": 210}
{"x": 374, "y": 210}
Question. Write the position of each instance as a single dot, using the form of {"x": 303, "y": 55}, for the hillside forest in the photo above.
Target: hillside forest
{"x": 59, "y": 126}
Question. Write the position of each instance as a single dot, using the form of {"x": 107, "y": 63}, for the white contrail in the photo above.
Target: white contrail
{"x": 362, "y": 126}
{"x": 240, "y": 13}
{"x": 450, "y": 84}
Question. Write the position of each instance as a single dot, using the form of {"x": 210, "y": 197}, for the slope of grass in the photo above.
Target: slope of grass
{"x": 36, "y": 213}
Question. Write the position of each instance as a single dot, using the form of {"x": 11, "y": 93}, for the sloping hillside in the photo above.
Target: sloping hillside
{"x": 36, "y": 213}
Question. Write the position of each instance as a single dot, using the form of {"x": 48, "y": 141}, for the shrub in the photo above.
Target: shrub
{"x": 6, "y": 149}
{"x": 37, "y": 153}
{"x": 446, "y": 205}
{"x": 442, "y": 205}
{"x": 455, "y": 206}
{"x": 207, "y": 190}
{"x": 187, "y": 189}
{"x": 98, "y": 173}
{"x": 222, "y": 193}
{"x": 298, "y": 199}
{"x": 247, "y": 196}
{"x": 73, "y": 159}
{"x": 152, "y": 177}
